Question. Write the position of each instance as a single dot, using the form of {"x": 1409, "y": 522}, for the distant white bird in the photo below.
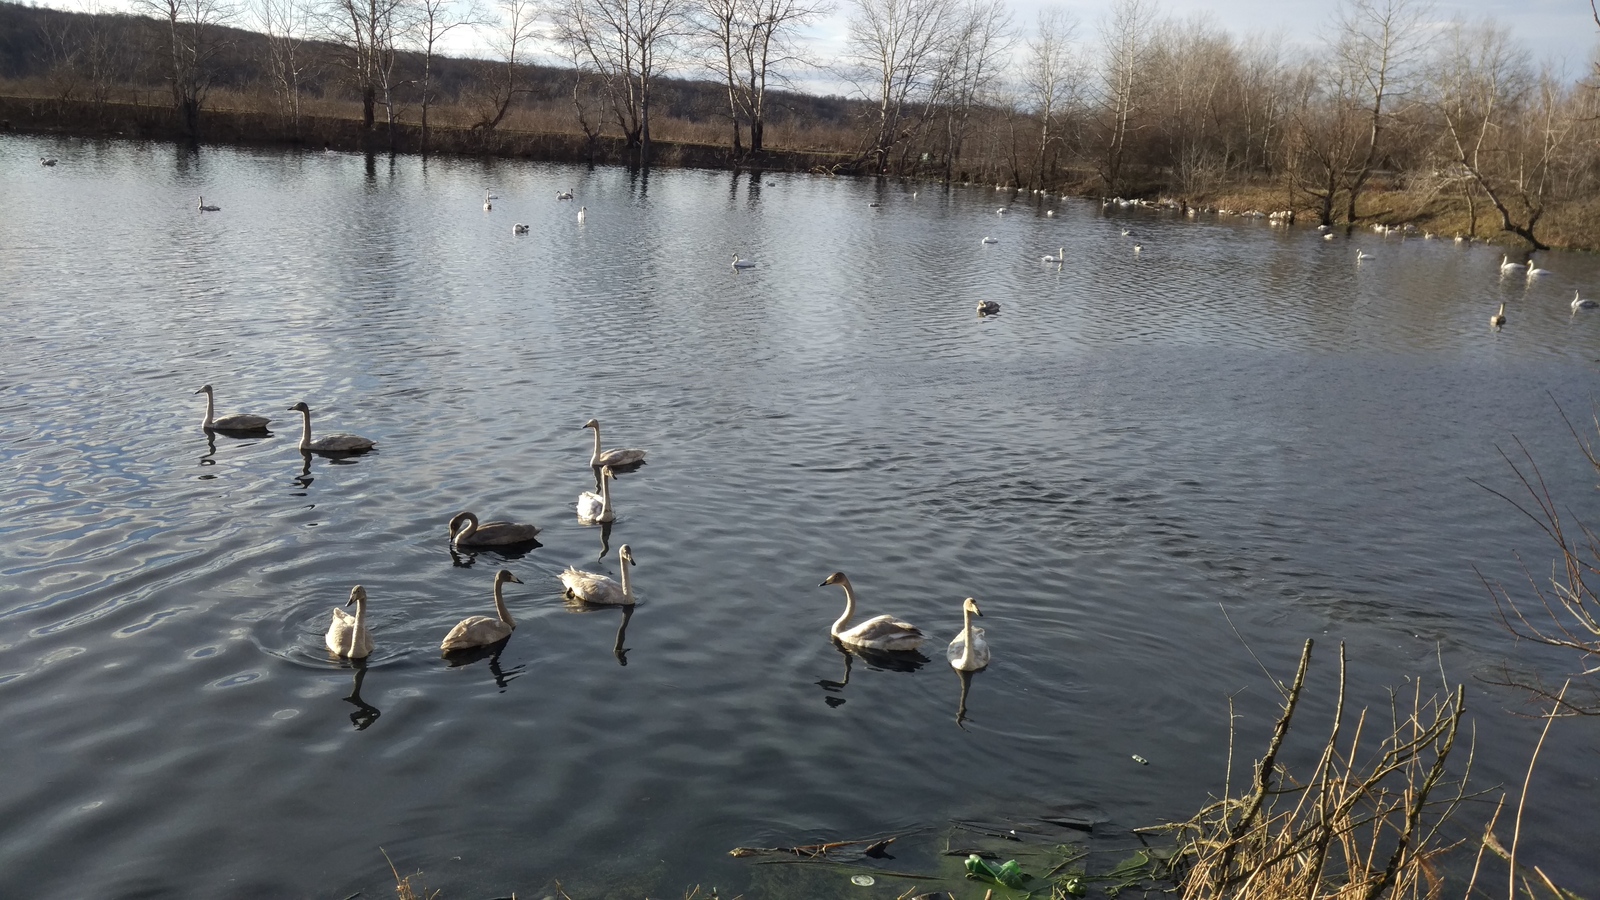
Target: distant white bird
{"x": 590, "y": 587}
{"x": 583, "y": 213}
{"x": 1001, "y": 211}
{"x": 988, "y": 307}
{"x": 1061, "y": 256}
{"x": 595, "y": 509}
{"x": 1126, "y": 232}
{"x": 482, "y": 631}
{"x": 1506, "y": 265}
{"x": 348, "y": 635}
{"x": 1499, "y": 318}
{"x": 563, "y": 195}
{"x": 1535, "y": 273}
{"x": 519, "y": 228}
{"x": 1049, "y": 214}
{"x": 1328, "y": 236}
{"x": 1578, "y": 302}
{"x": 1137, "y": 247}
{"x": 989, "y": 240}
{"x": 487, "y": 204}
{"x": 742, "y": 263}
{"x": 1362, "y": 255}
{"x": 204, "y": 208}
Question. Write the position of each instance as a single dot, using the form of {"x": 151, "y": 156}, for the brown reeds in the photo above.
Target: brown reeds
{"x": 1364, "y": 825}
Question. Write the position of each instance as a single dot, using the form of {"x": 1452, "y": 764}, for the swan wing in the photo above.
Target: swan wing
{"x": 883, "y": 633}
{"x": 339, "y": 634}
{"x": 475, "y": 631}
{"x": 240, "y": 422}
{"x": 492, "y": 533}
{"x": 591, "y": 587}
{"x": 620, "y": 457}
{"x": 342, "y": 443}
{"x": 590, "y": 505}
{"x": 959, "y": 656}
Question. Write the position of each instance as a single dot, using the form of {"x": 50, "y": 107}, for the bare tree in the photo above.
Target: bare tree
{"x": 750, "y": 42}
{"x": 286, "y": 24}
{"x": 897, "y": 45}
{"x": 192, "y": 35}
{"x": 1126, "y": 33}
{"x": 365, "y": 32}
{"x": 434, "y": 20}
{"x": 971, "y": 66}
{"x": 512, "y": 41}
{"x": 629, "y": 43}
{"x": 1050, "y": 77}
{"x": 1376, "y": 46}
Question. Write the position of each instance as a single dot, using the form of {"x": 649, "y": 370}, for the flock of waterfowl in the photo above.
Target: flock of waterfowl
{"x": 349, "y": 637}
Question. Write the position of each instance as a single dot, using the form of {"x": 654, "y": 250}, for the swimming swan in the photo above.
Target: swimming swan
{"x": 592, "y": 588}
{"x": 596, "y": 508}
{"x": 1362, "y": 255}
{"x": 481, "y": 631}
{"x": 988, "y": 240}
{"x": 877, "y": 633}
{"x": 1499, "y": 318}
{"x": 330, "y": 443}
{"x": 988, "y": 308}
{"x": 519, "y": 228}
{"x": 1535, "y": 273}
{"x": 563, "y": 195}
{"x": 1579, "y": 303}
{"x": 742, "y": 263}
{"x": 466, "y": 532}
{"x": 616, "y": 456}
{"x": 969, "y": 652}
{"x": 487, "y": 205}
{"x": 348, "y": 635}
{"x": 1061, "y": 256}
{"x": 583, "y": 213}
{"x": 204, "y": 208}
{"x": 235, "y": 422}
{"x": 1506, "y": 265}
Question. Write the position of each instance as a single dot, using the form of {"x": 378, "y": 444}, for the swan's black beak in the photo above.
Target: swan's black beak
{"x": 824, "y": 584}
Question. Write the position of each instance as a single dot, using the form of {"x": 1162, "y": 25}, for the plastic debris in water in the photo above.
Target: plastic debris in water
{"x": 863, "y": 880}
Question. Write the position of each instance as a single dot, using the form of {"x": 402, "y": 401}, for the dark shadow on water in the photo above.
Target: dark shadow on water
{"x": 879, "y": 660}
{"x": 502, "y": 678}
{"x": 463, "y": 559}
{"x": 961, "y": 705}
{"x": 365, "y": 713}
{"x": 605, "y": 539}
{"x": 617, "y": 649}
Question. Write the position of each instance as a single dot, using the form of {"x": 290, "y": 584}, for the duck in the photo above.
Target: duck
{"x": 1578, "y": 302}
{"x": 878, "y": 632}
{"x": 1506, "y": 265}
{"x": 595, "y": 509}
{"x": 988, "y": 308}
{"x": 988, "y": 240}
{"x": 519, "y": 228}
{"x": 590, "y": 587}
{"x": 583, "y": 213}
{"x": 1061, "y": 256}
{"x": 481, "y": 631}
{"x": 204, "y": 208}
{"x": 1499, "y": 318}
{"x": 465, "y": 532}
{"x": 742, "y": 263}
{"x": 235, "y": 422}
{"x": 616, "y": 456}
{"x": 969, "y": 652}
{"x": 329, "y": 443}
{"x": 348, "y": 636}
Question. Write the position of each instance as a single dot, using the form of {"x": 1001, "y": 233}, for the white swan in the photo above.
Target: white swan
{"x": 742, "y": 263}
{"x": 616, "y": 456}
{"x": 1126, "y": 232}
{"x": 235, "y": 422}
{"x": 969, "y": 652}
{"x": 877, "y": 633}
{"x": 1328, "y": 236}
{"x": 1535, "y": 273}
{"x": 487, "y": 205}
{"x": 1002, "y": 210}
{"x": 1578, "y": 302}
{"x": 519, "y": 228}
{"x": 598, "y": 589}
{"x": 1499, "y": 318}
{"x": 481, "y": 631}
{"x": 988, "y": 240}
{"x": 988, "y": 307}
{"x": 1061, "y": 256}
{"x": 204, "y": 208}
{"x": 1506, "y": 265}
{"x": 330, "y": 443}
{"x": 583, "y": 213}
{"x": 348, "y": 635}
{"x": 563, "y": 195}
{"x": 595, "y": 508}
{"x": 465, "y": 531}
{"x": 1137, "y": 247}
{"x": 1049, "y": 214}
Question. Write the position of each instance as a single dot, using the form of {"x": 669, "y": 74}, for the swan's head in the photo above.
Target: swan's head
{"x": 626, "y": 554}
{"x": 458, "y": 518}
{"x": 357, "y": 594}
{"x": 835, "y": 578}
{"x": 503, "y": 576}
{"x": 592, "y": 423}
{"x": 204, "y": 389}
{"x": 300, "y": 407}
{"x": 605, "y": 472}
{"x": 971, "y": 606}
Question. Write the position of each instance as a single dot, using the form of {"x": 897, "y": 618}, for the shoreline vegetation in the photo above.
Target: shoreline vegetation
{"x": 1396, "y": 119}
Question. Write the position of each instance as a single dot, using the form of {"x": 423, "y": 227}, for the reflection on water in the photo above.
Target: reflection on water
{"x": 1237, "y": 415}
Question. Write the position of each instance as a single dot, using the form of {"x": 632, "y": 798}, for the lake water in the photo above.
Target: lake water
{"x": 1237, "y": 417}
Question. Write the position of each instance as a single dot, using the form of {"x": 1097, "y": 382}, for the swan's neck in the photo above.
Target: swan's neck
{"x": 849, "y": 608}
{"x": 627, "y": 590}
{"x": 605, "y": 493}
{"x": 500, "y": 604}
{"x": 305, "y": 434}
{"x": 594, "y": 458}
{"x": 966, "y": 629}
{"x": 469, "y": 527}
{"x": 210, "y": 407}
{"x": 361, "y": 622}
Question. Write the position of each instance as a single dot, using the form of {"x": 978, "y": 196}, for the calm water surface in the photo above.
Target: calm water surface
{"x": 1239, "y": 416}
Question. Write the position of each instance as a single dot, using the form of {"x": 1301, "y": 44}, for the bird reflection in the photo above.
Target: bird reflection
{"x": 304, "y": 479}
{"x": 616, "y": 470}
{"x": 961, "y": 705}
{"x": 211, "y": 450}
{"x": 605, "y": 539}
{"x": 463, "y": 559}
{"x": 365, "y": 713}
{"x": 467, "y": 657}
{"x": 619, "y": 651}
{"x": 883, "y": 661}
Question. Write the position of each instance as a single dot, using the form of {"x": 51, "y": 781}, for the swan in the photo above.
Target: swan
{"x": 969, "y": 652}
{"x": 1061, "y": 256}
{"x": 1579, "y": 303}
{"x": 481, "y": 631}
{"x": 583, "y": 213}
{"x": 48, "y": 161}
{"x": 1328, "y": 236}
{"x": 1499, "y": 318}
{"x": 235, "y": 422}
{"x": 1137, "y": 247}
{"x": 466, "y": 532}
{"x": 1049, "y": 214}
{"x": 487, "y": 205}
{"x": 988, "y": 308}
{"x": 1506, "y": 265}
{"x": 1002, "y": 210}
{"x": 204, "y": 208}
{"x": 988, "y": 240}
{"x": 1362, "y": 255}
{"x": 598, "y": 589}
{"x": 519, "y": 228}
{"x": 596, "y": 508}
{"x": 742, "y": 263}
{"x": 877, "y": 633}
{"x": 616, "y": 456}
{"x": 563, "y": 195}
{"x": 1535, "y": 273}
{"x": 328, "y": 443}
{"x": 1126, "y": 232}
{"x": 348, "y": 635}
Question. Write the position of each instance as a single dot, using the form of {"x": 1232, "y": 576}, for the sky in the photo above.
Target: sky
{"x": 1560, "y": 32}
